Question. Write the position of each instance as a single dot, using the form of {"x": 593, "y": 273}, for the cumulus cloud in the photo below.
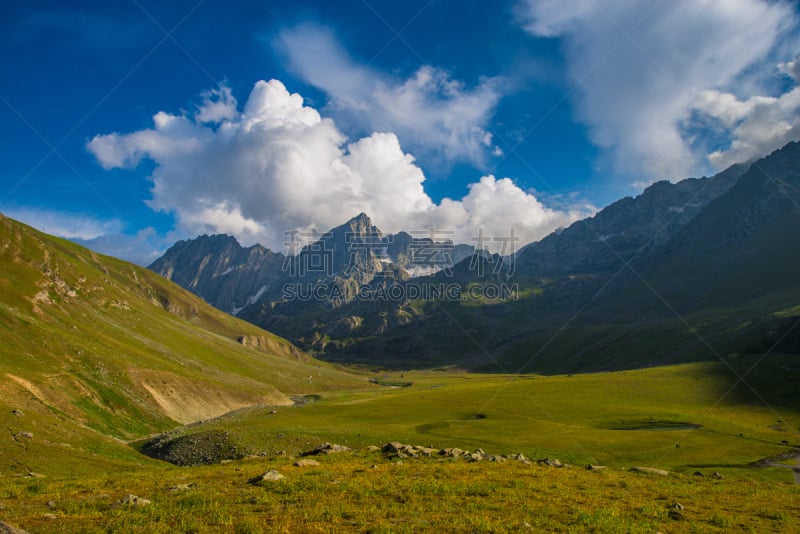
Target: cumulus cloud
{"x": 757, "y": 125}
{"x": 278, "y": 165}
{"x": 638, "y": 68}
{"x": 429, "y": 111}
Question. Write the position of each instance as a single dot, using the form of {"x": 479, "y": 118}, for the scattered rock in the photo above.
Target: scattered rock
{"x": 6, "y": 528}
{"x": 202, "y": 448}
{"x": 306, "y": 463}
{"x": 131, "y": 500}
{"x": 650, "y": 470}
{"x": 327, "y": 448}
{"x": 592, "y": 467}
{"x": 717, "y": 476}
{"x": 269, "y": 476}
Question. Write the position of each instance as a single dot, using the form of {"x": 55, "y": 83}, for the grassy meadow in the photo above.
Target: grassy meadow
{"x": 684, "y": 419}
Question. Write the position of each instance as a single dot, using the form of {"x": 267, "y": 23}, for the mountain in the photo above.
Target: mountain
{"x": 685, "y": 271}
{"x": 220, "y": 270}
{"x": 627, "y": 228}
{"x": 95, "y": 352}
{"x": 232, "y": 278}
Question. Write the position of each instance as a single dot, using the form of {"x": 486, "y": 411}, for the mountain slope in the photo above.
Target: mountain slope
{"x": 95, "y": 350}
{"x": 627, "y": 228}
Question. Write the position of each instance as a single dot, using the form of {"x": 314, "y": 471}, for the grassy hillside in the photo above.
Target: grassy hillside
{"x": 95, "y": 351}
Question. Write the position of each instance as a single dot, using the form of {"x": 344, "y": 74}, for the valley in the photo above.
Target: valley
{"x": 619, "y": 387}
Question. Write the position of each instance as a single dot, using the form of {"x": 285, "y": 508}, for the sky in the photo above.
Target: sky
{"x": 132, "y": 124}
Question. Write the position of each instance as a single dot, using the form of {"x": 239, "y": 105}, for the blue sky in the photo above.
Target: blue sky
{"x": 130, "y": 124}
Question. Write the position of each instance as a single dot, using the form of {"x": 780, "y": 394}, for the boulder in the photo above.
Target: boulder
{"x": 650, "y": 470}
{"x": 306, "y": 463}
{"x": 6, "y": 528}
{"x": 131, "y": 500}
{"x": 269, "y": 476}
{"x": 327, "y": 448}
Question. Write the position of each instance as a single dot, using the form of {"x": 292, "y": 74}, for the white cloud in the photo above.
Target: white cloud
{"x": 757, "y": 125}
{"x": 278, "y": 166}
{"x": 430, "y": 111}
{"x": 218, "y": 105}
{"x": 639, "y": 67}
{"x": 64, "y": 224}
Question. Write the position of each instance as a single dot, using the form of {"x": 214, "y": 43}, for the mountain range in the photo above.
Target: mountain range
{"x": 685, "y": 271}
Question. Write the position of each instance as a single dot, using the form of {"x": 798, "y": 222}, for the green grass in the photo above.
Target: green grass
{"x": 365, "y": 492}
{"x": 674, "y": 417}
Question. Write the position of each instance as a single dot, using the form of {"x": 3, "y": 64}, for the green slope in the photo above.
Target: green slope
{"x": 95, "y": 352}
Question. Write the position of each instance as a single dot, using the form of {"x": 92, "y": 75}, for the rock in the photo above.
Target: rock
{"x": 50, "y": 516}
{"x": 676, "y": 515}
{"x": 519, "y": 457}
{"x": 183, "y": 487}
{"x": 474, "y": 457}
{"x": 592, "y": 467}
{"x": 306, "y": 463}
{"x": 677, "y": 506}
{"x": 555, "y": 462}
{"x": 26, "y": 435}
{"x": 427, "y": 451}
{"x": 17, "y": 412}
{"x": 373, "y": 448}
{"x": 50, "y": 504}
{"x": 717, "y": 476}
{"x": 131, "y": 500}
{"x": 699, "y": 474}
{"x": 6, "y": 528}
{"x": 31, "y": 474}
{"x": 269, "y": 476}
{"x": 451, "y": 452}
{"x": 650, "y": 470}
{"x": 327, "y": 448}
{"x": 393, "y": 447}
